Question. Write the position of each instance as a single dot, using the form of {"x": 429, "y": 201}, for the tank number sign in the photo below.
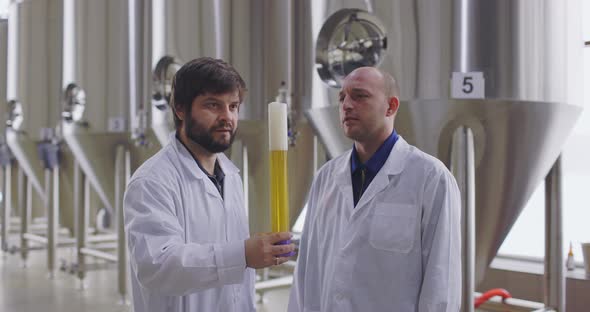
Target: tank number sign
{"x": 468, "y": 85}
{"x": 116, "y": 124}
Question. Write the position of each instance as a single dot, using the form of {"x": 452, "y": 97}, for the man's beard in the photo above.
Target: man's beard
{"x": 197, "y": 133}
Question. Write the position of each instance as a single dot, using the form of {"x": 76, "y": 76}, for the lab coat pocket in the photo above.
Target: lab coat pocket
{"x": 393, "y": 227}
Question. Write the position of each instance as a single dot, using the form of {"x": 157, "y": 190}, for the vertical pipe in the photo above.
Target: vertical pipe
{"x": 12, "y": 54}
{"x": 122, "y": 168}
{"x": 24, "y": 205}
{"x": 140, "y": 63}
{"x": 51, "y": 224}
{"x": 68, "y": 43}
{"x": 3, "y": 70}
{"x": 55, "y": 46}
{"x": 85, "y": 217}
{"x": 158, "y": 27}
{"x": 554, "y": 282}
{"x": 6, "y": 201}
{"x": 80, "y": 193}
{"x": 463, "y": 168}
{"x": 6, "y": 205}
{"x": 461, "y": 30}
{"x": 55, "y": 212}
{"x": 215, "y": 26}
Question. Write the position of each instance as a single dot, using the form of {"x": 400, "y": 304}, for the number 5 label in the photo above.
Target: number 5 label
{"x": 468, "y": 85}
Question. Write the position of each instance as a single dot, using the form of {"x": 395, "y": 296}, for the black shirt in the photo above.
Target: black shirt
{"x": 217, "y": 176}
{"x": 363, "y": 174}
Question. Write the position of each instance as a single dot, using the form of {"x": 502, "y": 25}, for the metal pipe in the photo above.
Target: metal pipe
{"x": 6, "y": 205}
{"x": 122, "y": 172}
{"x": 36, "y": 238}
{"x": 51, "y": 205}
{"x": 42, "y": 228}
{"x": 81, "y": 205}
{"x": 25, "y": 202}
{"x": 140, "y": 63}
{"x": 6, "y": 179}
{"x": 102, "y": 238}
{"x": 275, "y": 283}
{"x": 6, "y": 182}
{"x": 554, "y": 280}
{"x": 463, "y": 168}
{"x": 99, "y": 254}
{"x": 3, "y": 60}
{"x": 105, "y": 246}
{"x": 461, "y": 27}
{"x": 42, "y": 239}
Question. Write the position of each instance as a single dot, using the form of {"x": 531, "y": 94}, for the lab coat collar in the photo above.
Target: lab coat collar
{"x": 190, "y": 166}
{"x": 395, "y": 164}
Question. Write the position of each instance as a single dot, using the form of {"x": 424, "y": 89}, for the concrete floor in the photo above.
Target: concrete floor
{"x": 30, "y": 290}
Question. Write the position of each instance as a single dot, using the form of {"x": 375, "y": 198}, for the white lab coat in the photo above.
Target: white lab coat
{"x": 398, "y": 250}
{"x": 186, "y": 243}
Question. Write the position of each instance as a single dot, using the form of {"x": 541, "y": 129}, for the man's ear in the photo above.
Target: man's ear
{"x": 179, "y": 113}
{"x": 393, "y": 104}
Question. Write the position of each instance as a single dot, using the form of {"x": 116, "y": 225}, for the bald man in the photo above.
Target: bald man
{"x": 382, "y": 231}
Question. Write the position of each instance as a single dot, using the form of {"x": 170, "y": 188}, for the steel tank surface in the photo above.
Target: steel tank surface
{"x": 168, "y": 34}
{"x": 271, "y": 29}
{"x": 6, "y": 160}
{"x": 526, "y": 52}
{"x": 97, "y": 90}
{"x": 258, "y": 38}
{"x": 3, "y": 63}
{"x": 33, "y": 92}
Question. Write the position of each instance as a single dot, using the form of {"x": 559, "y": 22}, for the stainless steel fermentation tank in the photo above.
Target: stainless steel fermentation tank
{"x": 7, "y": 208}
{"x": 258, "y": 37}
{"x": 44, "y": 181}
{"x": 123, "y": 56}
{"x": 100, "y": 87}
{"x": 525, "y": 51}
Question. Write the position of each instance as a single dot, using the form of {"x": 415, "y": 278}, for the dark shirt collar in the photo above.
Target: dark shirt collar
{"x": 378, "y": 159}
{"x": 217, "y": 176}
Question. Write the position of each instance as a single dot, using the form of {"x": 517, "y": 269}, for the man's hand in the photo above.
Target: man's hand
{"x": 261, "y": 251}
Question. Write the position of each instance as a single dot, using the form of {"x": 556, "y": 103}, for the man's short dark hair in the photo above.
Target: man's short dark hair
{"x": 204, "y": 75}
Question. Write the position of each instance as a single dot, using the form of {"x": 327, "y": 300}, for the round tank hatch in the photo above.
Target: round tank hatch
{"x": 74, "y": 103}
{"x": 15, "y": 115}
{"x": 162, "y": 78}
{"x": 349, "y": 39}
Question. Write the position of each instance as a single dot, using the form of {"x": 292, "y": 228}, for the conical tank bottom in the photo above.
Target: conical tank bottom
{"x": 95, "y": 153}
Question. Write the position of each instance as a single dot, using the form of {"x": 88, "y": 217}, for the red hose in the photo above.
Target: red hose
{"x": 492, "y": 293}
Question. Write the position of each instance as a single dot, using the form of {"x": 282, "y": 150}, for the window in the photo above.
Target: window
{"x": 4, "y": 7}
{"x": 523, "y": 238}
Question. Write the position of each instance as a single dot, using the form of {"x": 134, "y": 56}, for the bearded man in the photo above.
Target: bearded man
{"x": 184, "y": 211}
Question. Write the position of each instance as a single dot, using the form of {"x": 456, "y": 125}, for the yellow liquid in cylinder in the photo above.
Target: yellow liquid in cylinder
{"x": 279, "y": 194}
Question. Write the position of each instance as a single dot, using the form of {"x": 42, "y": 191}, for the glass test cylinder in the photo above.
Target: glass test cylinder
{"x": 279, "y": 193}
